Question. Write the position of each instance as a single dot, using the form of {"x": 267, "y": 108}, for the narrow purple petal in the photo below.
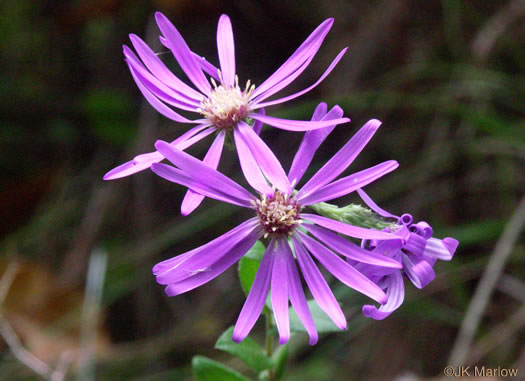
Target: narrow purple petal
{"x": 347, "y": 229}
{"x": 192, "y": 199}
{"x": 306, "y": 51}
{"x": 279, "y": 295}
{"x": 372, "y": 205}
{"x": 311, "y": 141}
{"x": 201, "y": 172}
{"x": 298, "y": 94}
{"x": 348, "y": 184}
{"x": 226, "y": 49}
{"x": 209, "y": 189}
{"x": 157, "y": 68}
{"x": 342, "y": 159}
{"x": 283, "y": 83}
{"x": 158, "y": 88}
{"x": 349, "y": 249}
{"x": 395, "y": 292}
{"x": 296, "y": 293}
{"x": 203, "y": 258}
{"x": 216, "y": 269}
{"x": 173, "y": 263}
{"x": 182, "y": 53}
{"x": 321, "y": 111}
{"x": 157, "y": 104}
{"x": 249, "y": 166}
{"x": 418, "y": 270}
{"x": 254, "y": 303}
{"x": 144, "y": 161}
{"x": 317, "y": 285}
{"x": 206, "y": 66}
{"x": 342, "y": 270}
{"x": 265, "y": 158}
{"x": 297, "y": 125}
{"x": 441, "y": 249}
{"x": 258, "y": 125}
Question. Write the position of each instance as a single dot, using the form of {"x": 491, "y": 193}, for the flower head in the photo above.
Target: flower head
{"x": 278, "y": 214}
{"x": 417, "y": 250}
{"x": 222, "y": 105}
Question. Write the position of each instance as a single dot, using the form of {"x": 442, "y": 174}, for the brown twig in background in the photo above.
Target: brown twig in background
{"x": 495, "y": 27}
{"x": 486, "y": 285}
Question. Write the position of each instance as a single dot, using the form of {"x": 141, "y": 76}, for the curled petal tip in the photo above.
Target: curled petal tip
{"x": 283, "y": 340}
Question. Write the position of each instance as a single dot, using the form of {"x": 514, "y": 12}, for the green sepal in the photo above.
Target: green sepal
{"x": 205, "y": 369}
{"x": 247, "y": 350}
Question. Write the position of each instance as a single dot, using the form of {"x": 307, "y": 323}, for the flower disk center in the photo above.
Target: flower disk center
{"x": 226, "y": 106}
{"x": 278, "y": 214}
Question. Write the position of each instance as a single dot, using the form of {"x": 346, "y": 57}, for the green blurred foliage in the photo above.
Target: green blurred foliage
{"x": 445, "y": 77}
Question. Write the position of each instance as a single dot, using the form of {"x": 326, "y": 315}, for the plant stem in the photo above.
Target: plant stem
{"x": 269, "y": 340}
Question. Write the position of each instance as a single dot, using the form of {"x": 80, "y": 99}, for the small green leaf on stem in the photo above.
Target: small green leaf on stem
{"x": 247, "y": 350}
{"x": 205, "y": 369}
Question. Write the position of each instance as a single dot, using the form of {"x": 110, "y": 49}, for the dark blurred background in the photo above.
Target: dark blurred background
{"x": 445, "y": 77}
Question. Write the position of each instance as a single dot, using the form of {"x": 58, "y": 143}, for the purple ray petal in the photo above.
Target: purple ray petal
{"x": 296, "y": 293}
{"x": 349, "y": 249}
{"x": 157, "y": 67}
{"x": 418, "y": 270}
{"x": 279, "y": 295}
{"x": 348, "y": 184}
{"x": 258, "y": 125}
{"x": 206, "y": 66}
{"x": 211, "y": 190}
{"x": 372, "y": 205}
{"x": 158, "y": 88}
{"x": 249, "y": 167}
{"x": 317, "y": 285}
{"x": 296, "y": 125}
{"x": 216, "y": 269}
{"x": 342, "y": 270}
{"x": 311, "y": 141}
{"x": 182, "y": 54}
{"x": 192, "y": 200}
{"x": 265, "y": 158}
{"x": 347, "y": 229}
{"x": 342, "y": 159}
{"x": 395, "y": 293}
{"x": 144, "y": 161}
{"x": 226, "y": 49}
{"x": 257, "y": 296}
{"x": 441, "y": 249}
{"x": 305, "y": 51}
{"x": 298, "y": 94}
{"x": 201, "y": 172}
{"x": 203, "y": 258}
{"x": 157, "y": 104}
{"x": 283, "y": 83}
{"x": 173, "y": 263}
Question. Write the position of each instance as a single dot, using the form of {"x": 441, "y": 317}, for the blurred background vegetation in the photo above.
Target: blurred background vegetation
{"x": 446, "y": 79}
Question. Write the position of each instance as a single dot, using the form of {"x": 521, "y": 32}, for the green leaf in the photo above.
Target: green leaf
{"x": 280, "y": 358}
{"x": 249, "y": 264}
{"x": 205, "y": 369}
{"x": 323, "y": 323}
{"x": 247, "y": 350}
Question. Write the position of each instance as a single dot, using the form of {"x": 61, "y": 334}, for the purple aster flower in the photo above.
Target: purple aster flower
{"x": 417, "y": 250}
{"x": 220, "y": 102}
{"x": 279, "y": 216}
